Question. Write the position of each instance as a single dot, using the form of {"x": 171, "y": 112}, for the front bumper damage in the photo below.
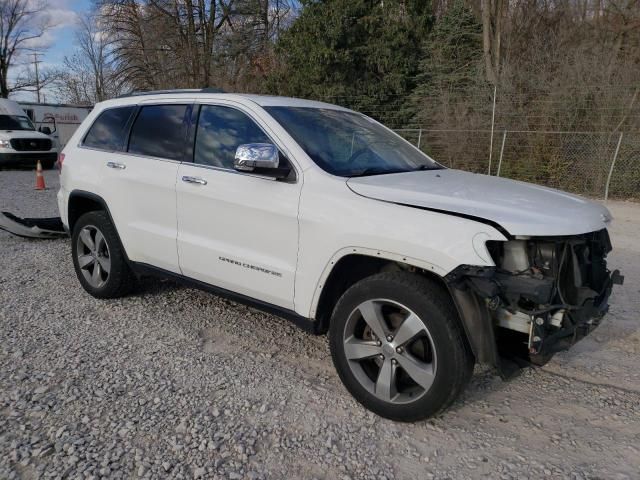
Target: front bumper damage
{"x": 543, "y": 295}
{"x": 44, "y": 228}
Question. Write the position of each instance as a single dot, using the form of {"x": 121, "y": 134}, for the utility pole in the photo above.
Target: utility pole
{"x": 36, "y": 62}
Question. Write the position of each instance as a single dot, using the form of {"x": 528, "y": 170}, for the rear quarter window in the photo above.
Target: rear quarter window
{"x": 108, "y": 130}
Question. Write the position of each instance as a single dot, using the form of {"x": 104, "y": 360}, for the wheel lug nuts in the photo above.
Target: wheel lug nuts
{"x": 381, "y": 357}
{"x": 389, "y": 338}
{"x": 394, "y": 361}
{"x": 379, "y": 343}
{"x": 399, "y": 349}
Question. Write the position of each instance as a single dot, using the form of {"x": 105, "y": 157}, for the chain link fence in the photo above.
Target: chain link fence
{"x": 595, "y": 164}
{"x": 583, "y": 139}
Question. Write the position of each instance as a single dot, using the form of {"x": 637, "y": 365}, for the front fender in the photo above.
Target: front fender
{"x": 334, "y": 222}
{"x": 374, "y": 254}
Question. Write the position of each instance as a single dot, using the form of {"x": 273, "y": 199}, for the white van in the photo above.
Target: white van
{"x": 61, "y": 119}
{"x": 20, "y": 144}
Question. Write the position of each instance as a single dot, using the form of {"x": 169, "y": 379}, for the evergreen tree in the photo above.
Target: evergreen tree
{"x": 451, "y": 64}
{"x": 363, "y": 54}
{"x": 451, "y": 89}
{"x": 452, "y": 52}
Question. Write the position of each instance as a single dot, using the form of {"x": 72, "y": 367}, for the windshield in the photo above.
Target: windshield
{"x": 349, "y": 144}
{"x": 14, "y": 122}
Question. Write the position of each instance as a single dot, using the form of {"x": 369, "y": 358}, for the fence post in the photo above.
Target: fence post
{"x": 493, "y": 118}
{"x": 419, "y": 138}
{"x": 504, "y": 139}
{"x": 613, "y": 162}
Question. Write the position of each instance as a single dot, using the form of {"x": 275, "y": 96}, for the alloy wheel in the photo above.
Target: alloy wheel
{"x": 390, "y": 351}
{"x": 93, "y": 256}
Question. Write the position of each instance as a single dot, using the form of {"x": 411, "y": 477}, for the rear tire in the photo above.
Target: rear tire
{"x": 422, "y": 363}
{"x": 98, "y": 257}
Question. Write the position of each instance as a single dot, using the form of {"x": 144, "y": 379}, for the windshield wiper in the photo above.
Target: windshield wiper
{"x": 427, "y": 167}
{"x": 374, "y": 171}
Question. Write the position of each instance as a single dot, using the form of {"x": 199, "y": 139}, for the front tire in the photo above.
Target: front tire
{"x": 98, "y": 257}
{"x": 398, "y": 346}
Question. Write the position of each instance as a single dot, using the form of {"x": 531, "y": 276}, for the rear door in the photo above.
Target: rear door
{"x": 237, "y": 231}
{"x": 139, "y": 182}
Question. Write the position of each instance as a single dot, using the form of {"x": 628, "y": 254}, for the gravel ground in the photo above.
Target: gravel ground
{"x": 174, "y": 382}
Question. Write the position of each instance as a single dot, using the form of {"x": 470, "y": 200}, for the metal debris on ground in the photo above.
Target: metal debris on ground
{"x": 50, "y": 227}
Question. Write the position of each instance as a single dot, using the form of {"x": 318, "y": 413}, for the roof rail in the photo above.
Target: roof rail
{"x": 212, "y": 90}
{"x": 177, "y": 90}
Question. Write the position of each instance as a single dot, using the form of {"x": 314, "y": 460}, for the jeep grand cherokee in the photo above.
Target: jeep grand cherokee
{"x": 324, "y": 216}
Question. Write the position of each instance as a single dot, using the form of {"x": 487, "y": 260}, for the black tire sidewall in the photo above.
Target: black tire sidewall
{"x": 441, "y": 324}
{"x": 119, "y": 273}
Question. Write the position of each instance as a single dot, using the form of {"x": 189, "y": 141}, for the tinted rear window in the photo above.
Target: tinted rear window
{"x": 159, "y": 131}
{"x": 108, "y": 131}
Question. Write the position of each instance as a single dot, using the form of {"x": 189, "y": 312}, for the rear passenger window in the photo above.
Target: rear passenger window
{"x": 108, "y": 131}
{"x": 159, "y": 131}
{"x": 220, "y": 131}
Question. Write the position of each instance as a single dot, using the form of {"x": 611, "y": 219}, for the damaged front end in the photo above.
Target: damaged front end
{"x": 543, "y": 295}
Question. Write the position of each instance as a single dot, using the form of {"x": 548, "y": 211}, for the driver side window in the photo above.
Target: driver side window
{"x": 220, "y": 131}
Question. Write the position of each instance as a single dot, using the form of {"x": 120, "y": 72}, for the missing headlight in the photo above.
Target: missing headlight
{"x": 544, "y": 293}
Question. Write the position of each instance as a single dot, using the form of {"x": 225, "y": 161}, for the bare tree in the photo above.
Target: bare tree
{"x": 165, "y": 43}
{"x": 194, "y": 43}
{"x": 90, "y": 73}
{"x": 245, "y": 53}
{"x": 493, "y": 12}
{"x": 22, "y": 22}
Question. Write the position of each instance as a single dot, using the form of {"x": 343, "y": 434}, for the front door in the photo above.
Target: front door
{"x": 237, "y": 231}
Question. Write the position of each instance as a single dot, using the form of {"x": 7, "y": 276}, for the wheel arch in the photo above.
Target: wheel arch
{"x": 81, "y": 202}
{"x": 353, "y": 264}
{"x": 357, "y": 264}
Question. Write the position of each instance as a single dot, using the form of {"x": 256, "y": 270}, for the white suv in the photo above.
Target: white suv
{"x": 326, "y": 217}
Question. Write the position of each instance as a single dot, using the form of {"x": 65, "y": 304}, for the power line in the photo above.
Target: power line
{"x": 35, "y": 63}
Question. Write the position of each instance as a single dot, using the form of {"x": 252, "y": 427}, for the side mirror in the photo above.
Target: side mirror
{"x": 51, "y": 120}
{"x": 256, "y": 156}
{"x": 261, "y": 158}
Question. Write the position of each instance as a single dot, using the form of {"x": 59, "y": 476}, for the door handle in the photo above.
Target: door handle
{"x": 198, "y": 180}
{"x": 119, "y": 166}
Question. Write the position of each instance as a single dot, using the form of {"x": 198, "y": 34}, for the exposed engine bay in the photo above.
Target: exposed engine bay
{"x": 545, "y": 293}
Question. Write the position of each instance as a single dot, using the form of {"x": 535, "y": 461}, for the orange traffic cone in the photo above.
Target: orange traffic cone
{"x": 39, "y": 178}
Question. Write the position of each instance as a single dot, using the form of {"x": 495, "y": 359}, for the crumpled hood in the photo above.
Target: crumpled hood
{"x": 518, "y": 207}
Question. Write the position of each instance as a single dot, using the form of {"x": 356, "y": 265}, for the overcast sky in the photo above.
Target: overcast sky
{"x": 58, "y": 41}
